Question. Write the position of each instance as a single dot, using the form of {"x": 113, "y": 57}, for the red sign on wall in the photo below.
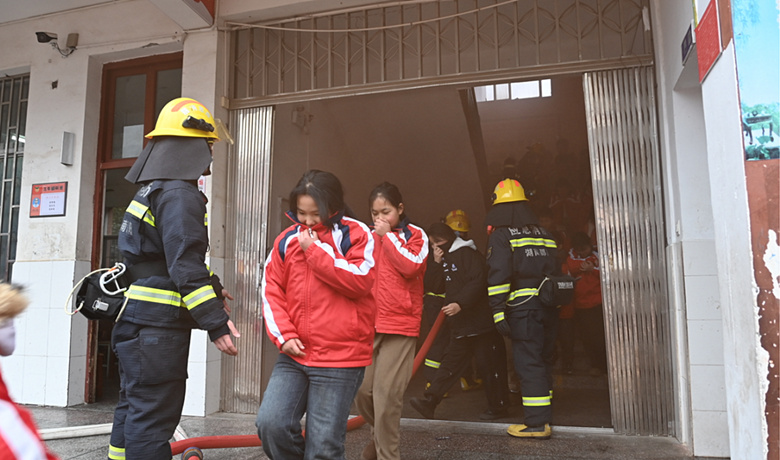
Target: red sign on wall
{"x": 48, "y": 200}
{"x": 708, "y": 40}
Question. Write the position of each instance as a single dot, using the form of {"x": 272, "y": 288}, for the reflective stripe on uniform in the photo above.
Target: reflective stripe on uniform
{"x": 498, "y": 317}
{"x": 520, "y": 242}
{"x": 116, "y": 453}
{"x": 435, "y": 294}
{"x": 148, "y": 294}
{"x": 432, "y": 364}
{"x": 141, "y": 211}
{"x": 537, "y": 401}
{"x": 206, "y": 220}
{"x": 523, "y": 292}
{"x": 500, "y": 289}
{"x": 199, "y": 296}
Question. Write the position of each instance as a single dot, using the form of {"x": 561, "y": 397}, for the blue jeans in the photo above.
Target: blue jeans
{"x": 325, "y": 394}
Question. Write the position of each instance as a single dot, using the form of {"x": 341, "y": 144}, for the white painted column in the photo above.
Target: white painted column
{"x": 200, "y": 80}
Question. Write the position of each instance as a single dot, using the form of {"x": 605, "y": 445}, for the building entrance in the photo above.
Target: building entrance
{"x": 435, "y": 142}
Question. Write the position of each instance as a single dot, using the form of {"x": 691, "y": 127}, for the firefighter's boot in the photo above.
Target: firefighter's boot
{"x": 425, "y": 406}
{"x": 532, "y": 432}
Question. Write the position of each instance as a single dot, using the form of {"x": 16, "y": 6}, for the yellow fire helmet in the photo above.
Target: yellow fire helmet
{"x": 185, "y": 117}
{"x": 507, "y": 191}
{"x": 458, "y": 221}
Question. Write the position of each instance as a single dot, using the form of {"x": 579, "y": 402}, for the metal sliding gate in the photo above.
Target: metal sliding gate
{"x": 625, "y": 166}
{"x": 249, "y": 172}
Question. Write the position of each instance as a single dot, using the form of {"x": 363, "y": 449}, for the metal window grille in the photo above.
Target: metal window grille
{"x": 405, "y": 46}
{"x": 13, "y": 116}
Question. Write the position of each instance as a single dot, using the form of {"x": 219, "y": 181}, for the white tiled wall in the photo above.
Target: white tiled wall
{"x": 204, "y": 369}
{"x": 708, "y": 433}
{"x": 705, "y": 349}
{"x": 702, "y": 297}
{"x": 700, "y": 258}
{"x": 704, "y": 345}
{"x": 48, "y": 365}
{"x": 708, "y": 385}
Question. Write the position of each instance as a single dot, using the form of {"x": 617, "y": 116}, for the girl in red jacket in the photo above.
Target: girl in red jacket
{"x": 583, "y": 265}
{"x": 319, "y": 311}
{"x": 19, "y": 438}
{"x": 401, "y": 253}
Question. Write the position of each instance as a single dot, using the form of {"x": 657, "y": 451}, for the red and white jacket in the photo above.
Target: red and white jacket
{"x": 19, "y": 439}
{"x": 587, "y": 288}
{"x": 323, "y": 296}
{"x": 402, "y": 256}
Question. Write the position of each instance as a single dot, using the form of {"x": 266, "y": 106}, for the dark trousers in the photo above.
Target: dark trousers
{"x": 153, "y": 375}
{"x": 490, "y": 356}
{"x": 566, "y": 337}
{"x": 533, "y": 347}
{"x": 436, "y": 353}
{"x": 590, "y": 325}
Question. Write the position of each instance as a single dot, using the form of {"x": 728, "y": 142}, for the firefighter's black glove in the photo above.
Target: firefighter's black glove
{"x": 501, "y": 324}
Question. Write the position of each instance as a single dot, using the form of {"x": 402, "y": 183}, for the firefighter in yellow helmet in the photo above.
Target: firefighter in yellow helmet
{"x": 458, "y": 221}
{"x": 520, "y": 253}
{"x": 169, "y": 288}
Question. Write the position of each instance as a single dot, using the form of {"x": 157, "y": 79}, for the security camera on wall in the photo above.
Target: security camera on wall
{"x": 45, "y": 37}
{"x": 70, "y": 46}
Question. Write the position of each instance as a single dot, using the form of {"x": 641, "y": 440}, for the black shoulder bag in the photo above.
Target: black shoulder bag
{"x": 101, "y": 293}
{"x": 556, "y": 290}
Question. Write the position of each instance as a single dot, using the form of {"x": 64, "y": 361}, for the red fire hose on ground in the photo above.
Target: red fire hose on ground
{"x": 193, "y": 445}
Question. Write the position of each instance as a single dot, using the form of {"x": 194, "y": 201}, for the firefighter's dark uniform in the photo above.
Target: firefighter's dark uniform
{"x": 165, "y": 222}
{"x": 461, "y": 275}
{"x": 519, "y": 254}
{"x": 433, "y": 301}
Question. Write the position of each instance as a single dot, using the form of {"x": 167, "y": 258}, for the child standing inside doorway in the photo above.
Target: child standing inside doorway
{"x": 583, "y": 264}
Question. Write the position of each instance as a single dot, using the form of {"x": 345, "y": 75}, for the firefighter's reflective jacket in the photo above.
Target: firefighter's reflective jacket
{"x": 167, "y": 221}
{"x": 518, "y": 258}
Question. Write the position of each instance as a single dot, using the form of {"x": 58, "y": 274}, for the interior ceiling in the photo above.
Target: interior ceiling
{"x": 417, "y": 140}
{"x": 15, "y": 10}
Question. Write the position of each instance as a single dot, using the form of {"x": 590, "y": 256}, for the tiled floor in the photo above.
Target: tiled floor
{"x": 420, "y": 439}
{"x": 581, "y": 429}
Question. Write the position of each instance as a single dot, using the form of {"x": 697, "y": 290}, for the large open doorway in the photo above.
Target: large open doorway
{"x": 437, "y": 142}
{"x": 134, "y": 92}
{"x": 425, "y": 142}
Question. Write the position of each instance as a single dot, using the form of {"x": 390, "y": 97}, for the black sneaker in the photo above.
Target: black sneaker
{"x": 425, "y": 407}
{"x": 491, "y": 414}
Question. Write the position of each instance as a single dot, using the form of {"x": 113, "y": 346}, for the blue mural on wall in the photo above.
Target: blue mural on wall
{"x": 757, "y": 47}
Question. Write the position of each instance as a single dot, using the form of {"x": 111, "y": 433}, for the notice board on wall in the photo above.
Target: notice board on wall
{"x": 48, "y": 200}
